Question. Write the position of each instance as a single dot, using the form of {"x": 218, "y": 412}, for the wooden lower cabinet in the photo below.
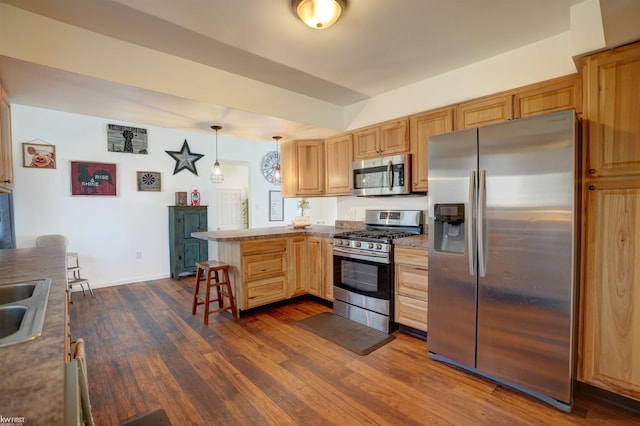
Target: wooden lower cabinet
{"x": 315, "y": 266}
{"x": 411, "y": 287}
{"x": 610, "y": 299}
{"x": 321, "y": 267}
{"x": 298, "y": 266}
{"x": 274, "y": 269}
{"x": 327, "y": 268}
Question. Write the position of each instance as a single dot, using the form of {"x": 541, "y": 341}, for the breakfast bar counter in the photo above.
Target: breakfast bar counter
{"x": 270, "y": 232}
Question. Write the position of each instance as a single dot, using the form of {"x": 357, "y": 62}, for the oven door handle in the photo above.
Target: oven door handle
{"x": 376, "y": 258}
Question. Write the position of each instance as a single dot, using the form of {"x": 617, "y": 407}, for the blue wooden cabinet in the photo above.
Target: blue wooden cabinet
{"x": 185, "y": 250}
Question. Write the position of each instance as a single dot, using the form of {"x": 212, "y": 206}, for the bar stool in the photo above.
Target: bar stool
{"x": 208, "y": 272}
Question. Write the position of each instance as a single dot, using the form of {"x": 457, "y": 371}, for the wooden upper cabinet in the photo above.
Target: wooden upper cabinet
{"x": 422, "y": 126}
{"x": 489, "y": 110}
{"x": 388, "y": 138}
{"x": 302, "y": 168}
{"x": 366, "y": 143}
{"x": 338, "y": 154}
{"x": 612, "y": 111}
{"x": 550, "y": 96}
{"x": 6, "y": 155}
{"x": 394, "y": 137}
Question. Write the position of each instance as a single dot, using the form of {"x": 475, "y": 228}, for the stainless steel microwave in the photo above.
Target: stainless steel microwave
{"x": 382, "y": 176}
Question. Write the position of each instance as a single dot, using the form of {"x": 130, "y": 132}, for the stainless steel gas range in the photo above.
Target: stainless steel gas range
{"x": 363, "y": 266}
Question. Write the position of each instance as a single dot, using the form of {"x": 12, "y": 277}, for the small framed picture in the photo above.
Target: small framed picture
{"x": 38, "y": 156}
{"x": 149, "y": 181}
{"x": 181, "y": 198}
{"x": 88, "y": 178}
{"x": 126, "y": 139}
{"x": 276, "y": 206}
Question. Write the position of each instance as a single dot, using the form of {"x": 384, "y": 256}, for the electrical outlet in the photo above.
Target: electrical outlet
{"x": 139, "y": 254}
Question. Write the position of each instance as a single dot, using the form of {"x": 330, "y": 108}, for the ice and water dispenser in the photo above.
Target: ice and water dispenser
{"x": 449, "y": 228}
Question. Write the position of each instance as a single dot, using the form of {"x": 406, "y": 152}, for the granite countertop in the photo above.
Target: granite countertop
{"x": 33, "y": 372}
{"x": 276, "y": 232}
{"x": 419, "y": 241}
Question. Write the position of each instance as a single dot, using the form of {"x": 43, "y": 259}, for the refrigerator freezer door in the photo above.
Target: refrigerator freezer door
{"x": 526, "y": 296}
{"x": 452, "y": 287}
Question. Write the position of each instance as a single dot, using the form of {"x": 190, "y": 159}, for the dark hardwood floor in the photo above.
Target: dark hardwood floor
{"x": 146, "y": 351}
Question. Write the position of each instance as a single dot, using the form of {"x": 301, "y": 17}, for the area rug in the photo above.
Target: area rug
{"x": 349, "y": 334}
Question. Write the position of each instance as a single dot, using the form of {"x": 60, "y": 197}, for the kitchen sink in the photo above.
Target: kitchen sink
{"x": 22, "y": 310}
{"x": 15, "y": 292}
{"x": 11, "y": 319}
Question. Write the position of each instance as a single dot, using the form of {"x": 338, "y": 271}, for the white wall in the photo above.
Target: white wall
{"x": 109, "y": 231}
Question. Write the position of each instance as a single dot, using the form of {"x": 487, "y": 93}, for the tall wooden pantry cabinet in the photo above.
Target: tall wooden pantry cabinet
{"x": 184, "y": 250}
{"x": 610, "y": 296}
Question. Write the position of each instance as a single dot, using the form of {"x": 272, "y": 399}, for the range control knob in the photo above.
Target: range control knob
{"x": 357, "y": 244}
{"x": 370, "y": 245}
{"x": 379, "y": 246}
{"x": 337, "y": 242}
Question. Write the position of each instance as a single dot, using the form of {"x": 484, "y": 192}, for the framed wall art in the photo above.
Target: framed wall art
{"x": 276, "y": 206}
{"x": 126, "y": 139}
{"x": 38, "y": 156}
{"x": 149, "y": 181}
{"x": 89, "y": 178}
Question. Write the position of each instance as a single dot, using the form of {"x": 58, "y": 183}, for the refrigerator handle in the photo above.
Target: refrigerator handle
{"x": 482, "y": 249}
{"x": 471, "y": 235}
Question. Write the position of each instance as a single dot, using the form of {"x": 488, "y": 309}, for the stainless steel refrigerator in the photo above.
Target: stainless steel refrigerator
{"x": 502, "y": 253}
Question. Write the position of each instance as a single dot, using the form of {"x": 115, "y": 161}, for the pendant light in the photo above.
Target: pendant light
{"x": 277, "y": 175}
{"x": 319, "y": 14}
{"x": 216, "y": 175}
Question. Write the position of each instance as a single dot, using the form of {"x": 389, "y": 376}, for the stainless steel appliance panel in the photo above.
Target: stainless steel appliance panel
{"x": 525, "y": 253}
{"x": 363, "y": 316}
{"x": 389, "y": 175}
{"x": 452, "y": 287}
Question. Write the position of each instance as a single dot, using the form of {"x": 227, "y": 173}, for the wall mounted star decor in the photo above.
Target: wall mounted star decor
{"x": 185, "y": 159}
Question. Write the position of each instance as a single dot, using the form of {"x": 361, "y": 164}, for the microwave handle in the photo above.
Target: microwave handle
{"x": 389, "y": 175}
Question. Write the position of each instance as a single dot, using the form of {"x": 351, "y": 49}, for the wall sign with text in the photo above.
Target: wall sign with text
{"x": 89, "y": 178}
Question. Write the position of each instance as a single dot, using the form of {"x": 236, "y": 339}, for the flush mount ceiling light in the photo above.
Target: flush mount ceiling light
{"x": 216, "y": 175}
{"x": 319, "y": 14}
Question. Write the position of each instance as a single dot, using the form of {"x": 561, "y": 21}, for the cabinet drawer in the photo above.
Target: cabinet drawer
{"x": 264, "y": 266}
{"x": 273, "y": 245}
{"x": 411, "y": 312}
{"x": 266, "y": 291}
{"x": 412, "y": 281}
{"x": 411, "y": 256}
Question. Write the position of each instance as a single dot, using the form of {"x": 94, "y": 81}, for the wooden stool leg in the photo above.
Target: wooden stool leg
{"x": 219, "y": 299}
{"x": 196, "y": 290}
{"x": 230, "y": 293}
{"x": 207, "y": 297}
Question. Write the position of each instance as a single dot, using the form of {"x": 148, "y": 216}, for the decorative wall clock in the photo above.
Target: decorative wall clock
{"x": 270, "y": 159}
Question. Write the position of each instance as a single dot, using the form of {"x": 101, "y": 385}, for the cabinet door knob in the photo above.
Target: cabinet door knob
{"x": 592, "y": 171}
{"x": 7, "y": 181}
{"x": 592, "y": 187}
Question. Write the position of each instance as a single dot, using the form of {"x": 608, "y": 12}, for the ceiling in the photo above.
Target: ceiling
{"x": 269, "y": 68}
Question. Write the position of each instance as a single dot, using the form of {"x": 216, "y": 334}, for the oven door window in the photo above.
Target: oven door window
{"x": 363, "y": 277}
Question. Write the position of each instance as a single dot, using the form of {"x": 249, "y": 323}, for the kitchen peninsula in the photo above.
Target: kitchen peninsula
{"x": 33, "y": 372}
{"x": 274, "y": 264}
